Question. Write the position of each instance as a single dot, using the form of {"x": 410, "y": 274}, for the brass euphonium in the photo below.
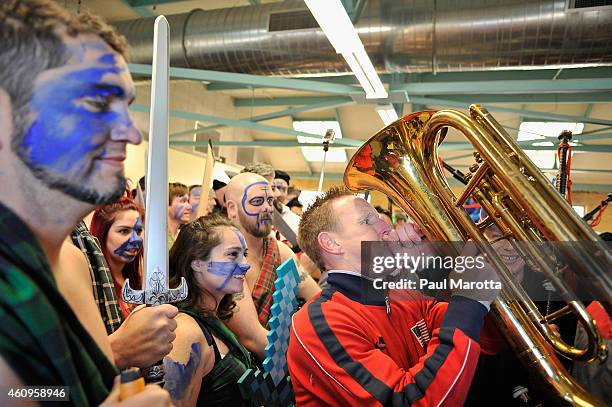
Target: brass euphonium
{"x": 402, "y": 162}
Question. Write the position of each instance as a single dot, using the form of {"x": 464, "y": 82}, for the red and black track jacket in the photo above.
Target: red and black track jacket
{"x": 347, "y": 350}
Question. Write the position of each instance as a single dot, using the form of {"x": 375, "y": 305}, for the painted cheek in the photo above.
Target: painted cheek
{"x": 64, "y": 134}
{"x": 179, "y": 210}
{"x": 135, "y": 241}
{"x": 130, "y": 244}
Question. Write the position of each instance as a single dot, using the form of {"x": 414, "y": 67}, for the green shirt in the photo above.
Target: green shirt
{"x": 40, "y": 336}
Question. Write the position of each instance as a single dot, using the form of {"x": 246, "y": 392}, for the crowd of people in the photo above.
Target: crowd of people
{"x": 64, "y": 126}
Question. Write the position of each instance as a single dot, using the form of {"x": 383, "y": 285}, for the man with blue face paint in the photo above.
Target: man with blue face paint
{"x": 64, "y": 127}
{"x": 249, "y": 199}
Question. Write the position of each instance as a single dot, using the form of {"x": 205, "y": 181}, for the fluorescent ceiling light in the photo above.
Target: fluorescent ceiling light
{"x": 313, "y": 154}
{"x": 337, "y": 26}
{"x": 545, "y": 131}
{"x": 541, "y": 130}
{"x": 387, "y": 113}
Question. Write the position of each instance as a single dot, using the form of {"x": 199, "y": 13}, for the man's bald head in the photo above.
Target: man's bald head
{"x": 249, "y": 200}
{"x": 236, "y": 186}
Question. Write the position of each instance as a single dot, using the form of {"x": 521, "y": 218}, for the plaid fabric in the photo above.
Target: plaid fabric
{"x": 40, "y": 336}
{"x": 103, "y": 286}
{"x": 264, "y": 285}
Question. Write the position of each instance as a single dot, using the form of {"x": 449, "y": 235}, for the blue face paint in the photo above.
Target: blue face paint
{"x": 240, "y": 238}
{"x": 180, "y": 208}
{"x": 133, "y": 243}
{"x": 108, "y": 59}
{"x": 227, "y": 269}
{"x": 178, "y": 376}
{"x": 73, "y": 117}
{"x": 257, "y": 200}
{"x": 194, "y": 198}
{"x": 68, "y": 132}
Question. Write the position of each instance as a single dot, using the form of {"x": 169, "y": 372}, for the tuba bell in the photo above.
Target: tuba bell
{"x": 402, "y": 162}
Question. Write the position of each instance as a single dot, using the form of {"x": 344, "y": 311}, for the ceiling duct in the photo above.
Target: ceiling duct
{"x": 399, "y": 35}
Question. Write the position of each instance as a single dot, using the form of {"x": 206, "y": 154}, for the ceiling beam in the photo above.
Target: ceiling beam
{"x": 527, "y": 98}
{"x": 512, "y": 75}
{"x": 589, "y": 137}
{"x": 142, "y": 11}
{"x": 351, "y": 143}
{"x": 507, "y": 86}
{"x": 533, "y": 98}
{"x": 286, "y": 101}
{"x": 328, "y": 104}
{"x": 339, "y": 143}
{"x": 247, "y": 79}
{"x": 516, "y": 75}
{"x": 335, "y": 176}
{"x": 242, "y": 124}
{"x": 353, "y": 9}
{"x": 521, "y": 112}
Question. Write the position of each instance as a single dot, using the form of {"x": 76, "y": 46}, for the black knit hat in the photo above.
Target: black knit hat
{"x": 282, "y": 175}
{"x": 218, "y": 184}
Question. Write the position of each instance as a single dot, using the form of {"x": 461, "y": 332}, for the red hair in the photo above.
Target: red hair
{"x": 101, "y": 222}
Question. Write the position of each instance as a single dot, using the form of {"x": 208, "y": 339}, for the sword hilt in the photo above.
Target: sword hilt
{"x": 152, "y": 297}
{"x": 157, "y": 294}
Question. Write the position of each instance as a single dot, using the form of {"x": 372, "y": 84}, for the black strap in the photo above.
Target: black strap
{"x": 210, "y": 340}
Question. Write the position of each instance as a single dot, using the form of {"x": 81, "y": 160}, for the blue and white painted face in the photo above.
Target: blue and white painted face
{"x": 257, "y": 206}
{"x": 180, "y": 209}
{"x": 124, "y": 239}
{"x": 225, "y": 270}
{"x": 80, "y": 123}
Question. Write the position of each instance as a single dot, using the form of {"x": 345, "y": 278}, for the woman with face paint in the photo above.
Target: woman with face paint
{"x": 179, "y": 209}
{"x": 119, "y": 229}
{"x": 207, "y": 360}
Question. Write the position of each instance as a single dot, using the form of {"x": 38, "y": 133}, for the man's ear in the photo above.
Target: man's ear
{"x": 329, "y": 244}
{"x": 232, "y": 209}
{"x": 198, "y": 265}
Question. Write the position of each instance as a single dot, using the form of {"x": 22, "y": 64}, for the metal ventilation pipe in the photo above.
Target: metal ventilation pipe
{"x": 399, "y": 35}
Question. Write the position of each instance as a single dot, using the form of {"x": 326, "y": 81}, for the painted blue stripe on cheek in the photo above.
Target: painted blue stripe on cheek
{"x": 64, "y": 134}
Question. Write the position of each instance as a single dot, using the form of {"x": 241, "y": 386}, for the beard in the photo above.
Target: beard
{"x": 257, "y": 228}
{"x": 77, "y": 189}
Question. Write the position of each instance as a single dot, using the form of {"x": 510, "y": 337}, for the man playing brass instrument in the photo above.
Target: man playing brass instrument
{"x": 347, "y": 348}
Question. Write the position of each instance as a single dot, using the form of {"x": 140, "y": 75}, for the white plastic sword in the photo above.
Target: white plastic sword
{"x": 155, "y": 284}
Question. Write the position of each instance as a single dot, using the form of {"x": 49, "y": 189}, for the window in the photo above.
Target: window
{"x": 548, "y": 133}
{"x": 312, "y": 154}
{"x": 579, "y": 210}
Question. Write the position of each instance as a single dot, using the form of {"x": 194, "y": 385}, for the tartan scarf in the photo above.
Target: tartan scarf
{"x": 103, "y": 286}
{"x": 264, "y": 285}
{"x": 40, "y": 336}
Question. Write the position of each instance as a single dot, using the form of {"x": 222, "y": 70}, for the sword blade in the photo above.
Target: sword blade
{"x": 155, "y": 279}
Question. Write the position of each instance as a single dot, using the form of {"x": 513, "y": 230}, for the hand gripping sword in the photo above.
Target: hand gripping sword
{"x": 155, "y": 288}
